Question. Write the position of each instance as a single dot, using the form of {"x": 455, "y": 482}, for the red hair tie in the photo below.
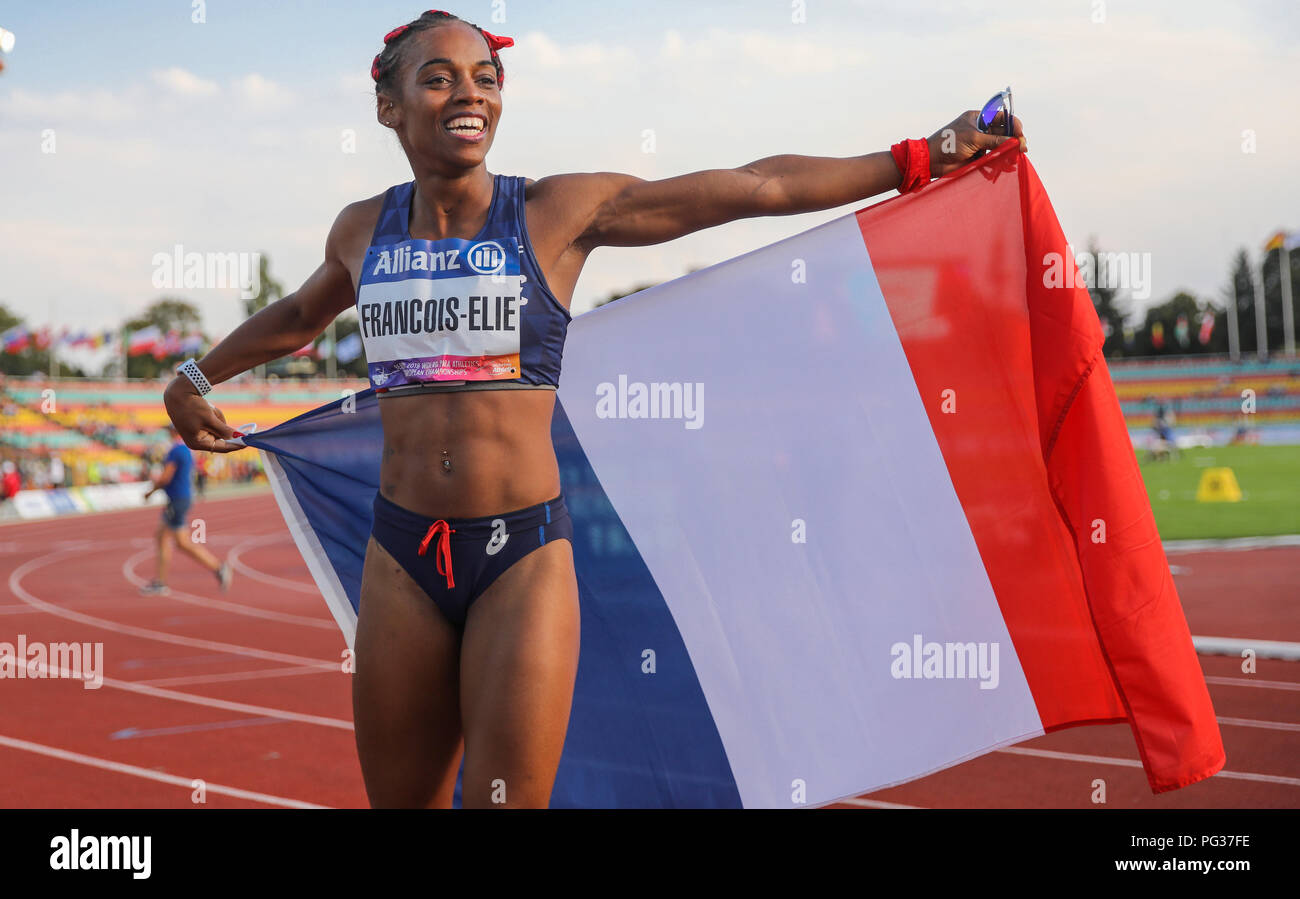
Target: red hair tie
{"x": 493, "y": 42}
{"x": 496, "y": 43}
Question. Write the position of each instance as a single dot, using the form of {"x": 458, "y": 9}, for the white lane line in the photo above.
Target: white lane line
{"x": 1248, "y": 682}
{"x": 15, "y": 585}
{"x": 1134, "y": 763}
{"x": 119, "y": 603}
{"x": 872, "y": 803}
{"x": 210, "y": 702}
{"x": 88, "y": 543}
{"x": 1267, "y": 725}
{"x": 237, "y": 608}
{"x": 227, "y": 678}
{"x": 236, "y": 560}
{"x": 185, "y": 782}
{"x": 1230, "y": 545}
{"x": 1235, "y": 646}
{"x": 59, "y": 523}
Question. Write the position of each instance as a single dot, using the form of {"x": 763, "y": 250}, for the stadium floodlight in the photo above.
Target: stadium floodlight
{"x": 6, "y": 40}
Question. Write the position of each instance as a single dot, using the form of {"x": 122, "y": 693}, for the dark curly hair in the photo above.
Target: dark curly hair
{"x": 385, "y": 64}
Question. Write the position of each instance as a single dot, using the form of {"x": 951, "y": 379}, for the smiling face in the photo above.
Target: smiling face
{"x": 444, "y": 101}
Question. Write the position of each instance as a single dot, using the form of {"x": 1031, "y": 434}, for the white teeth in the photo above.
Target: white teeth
{"x": 467, "y": 125}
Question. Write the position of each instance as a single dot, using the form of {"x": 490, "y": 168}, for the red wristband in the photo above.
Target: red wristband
{"x": 913, "y": 160}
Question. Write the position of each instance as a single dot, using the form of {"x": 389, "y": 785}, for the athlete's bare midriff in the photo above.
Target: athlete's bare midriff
{"x": 498, "y": 442}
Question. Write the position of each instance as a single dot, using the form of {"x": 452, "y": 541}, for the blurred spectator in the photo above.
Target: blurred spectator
{"x": 10, "y": 482}
{"x": 1163, "y": 446}
{"x": 1164, "y": 421}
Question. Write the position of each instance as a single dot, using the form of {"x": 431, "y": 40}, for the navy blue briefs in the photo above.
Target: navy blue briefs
{"x": 455, "y": 560}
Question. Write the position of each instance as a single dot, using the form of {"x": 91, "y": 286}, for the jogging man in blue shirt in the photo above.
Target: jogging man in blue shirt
{"x": 177, "y": 473}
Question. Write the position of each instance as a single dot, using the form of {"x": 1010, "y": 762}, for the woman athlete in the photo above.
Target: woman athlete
{"x": 467, "y": 632}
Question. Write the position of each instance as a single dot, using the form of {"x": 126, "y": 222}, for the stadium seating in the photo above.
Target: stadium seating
{"x": 1208, "y": 393}
{"x": 108, "y": 431}
{"x": 113, "y": 430}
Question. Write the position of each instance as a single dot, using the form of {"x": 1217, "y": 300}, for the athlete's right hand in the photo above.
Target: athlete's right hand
{"x": 200, "y": 424}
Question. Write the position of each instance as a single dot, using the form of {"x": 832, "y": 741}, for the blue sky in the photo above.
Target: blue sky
{"x": 225, "y": 135}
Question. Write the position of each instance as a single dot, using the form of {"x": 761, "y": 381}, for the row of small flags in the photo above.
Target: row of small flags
{"x": 1182, "y": 331}
{"x": 154, "y": 342}
{"x": 20, "y": 337}
{"x": 345, "y": 351}
{"x": 151, "y": 340}
{"x": 1283, "y": 241}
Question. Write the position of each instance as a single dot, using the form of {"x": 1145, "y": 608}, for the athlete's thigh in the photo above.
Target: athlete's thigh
{"x": 519, "y": 657}
{"x": 185, "y": 540}
{"x": 405, "y": 694}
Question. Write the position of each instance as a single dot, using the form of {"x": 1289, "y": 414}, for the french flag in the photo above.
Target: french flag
{"x": 144, "y": 340}
{"x": 16, "y": 339}
{"x": 848, "y": 509}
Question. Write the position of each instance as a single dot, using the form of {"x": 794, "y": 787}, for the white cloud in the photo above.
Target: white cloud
{"x": 673, "y": 44}
{"x": 95, "y": 106}
{"x": 261, "y": 93}
{"x": 1135, "y": 128}
{"x": 184, "y": 83}
{"x": 800, "y": 56}
{"x": 546, "y": 53}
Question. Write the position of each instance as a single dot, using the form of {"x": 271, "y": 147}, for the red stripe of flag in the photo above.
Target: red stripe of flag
{"x": 1097, "y": 625}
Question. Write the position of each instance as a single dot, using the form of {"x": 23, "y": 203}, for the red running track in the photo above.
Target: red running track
{"x": 245, "y": 692}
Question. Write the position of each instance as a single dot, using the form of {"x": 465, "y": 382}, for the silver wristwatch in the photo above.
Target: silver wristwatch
{"x": 190, "y": 369}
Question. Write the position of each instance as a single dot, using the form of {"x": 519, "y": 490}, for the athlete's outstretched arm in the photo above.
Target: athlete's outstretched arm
{"x": 626, "y": 211}
{"x": 274, "y": 331}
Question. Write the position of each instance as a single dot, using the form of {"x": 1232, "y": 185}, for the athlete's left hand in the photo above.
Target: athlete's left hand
{"x": 960, "y": 141}
{"x": 201, "y": 425}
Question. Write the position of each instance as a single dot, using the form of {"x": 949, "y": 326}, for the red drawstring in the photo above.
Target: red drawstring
{"x": 443, "y": 552}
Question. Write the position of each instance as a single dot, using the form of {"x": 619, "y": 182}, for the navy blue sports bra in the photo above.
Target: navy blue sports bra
{"x": 458, "y": 314}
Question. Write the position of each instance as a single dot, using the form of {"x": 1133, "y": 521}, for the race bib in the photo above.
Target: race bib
{"x": 441, "y": 310}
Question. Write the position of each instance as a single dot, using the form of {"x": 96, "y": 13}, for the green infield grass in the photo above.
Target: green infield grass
{"x": 1269, "y": 477}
